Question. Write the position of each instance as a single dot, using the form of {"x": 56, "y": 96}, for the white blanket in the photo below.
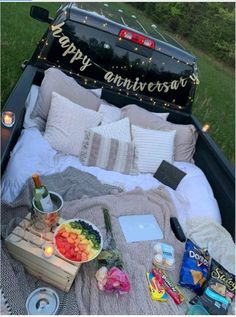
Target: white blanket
{"x": 193, "y": 198}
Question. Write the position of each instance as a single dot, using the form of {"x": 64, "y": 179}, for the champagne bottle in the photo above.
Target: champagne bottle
{"x": 42, "y": 197}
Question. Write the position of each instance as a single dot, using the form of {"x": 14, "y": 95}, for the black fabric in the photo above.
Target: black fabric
{"x": 169, "y": 175}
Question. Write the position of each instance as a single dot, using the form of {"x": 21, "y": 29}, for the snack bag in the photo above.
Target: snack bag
{"x": 156, "y": 288}
{"x": 194, "y": 268}
{"x": 219, "y": 290}
{"x": 170, "y": 288}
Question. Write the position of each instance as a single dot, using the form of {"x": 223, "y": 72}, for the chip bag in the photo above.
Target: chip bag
{"x": 219, "y": 290}
{"x": 194, "y": 268}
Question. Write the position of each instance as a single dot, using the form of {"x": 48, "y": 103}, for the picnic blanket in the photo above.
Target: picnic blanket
{"x": 84, "y": 297}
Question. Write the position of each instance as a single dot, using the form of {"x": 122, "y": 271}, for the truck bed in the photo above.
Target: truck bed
{"x": 208, "y": 156}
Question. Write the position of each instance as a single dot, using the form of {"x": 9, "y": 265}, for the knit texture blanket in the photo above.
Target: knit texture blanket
{"x": 137, "y": 256}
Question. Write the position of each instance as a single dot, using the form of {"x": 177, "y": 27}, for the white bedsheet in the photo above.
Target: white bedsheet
{"x": 33, "y": 153}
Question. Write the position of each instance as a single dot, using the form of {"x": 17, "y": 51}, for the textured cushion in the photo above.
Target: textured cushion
{"x": 66, "y": 124}
{"x": 109, "y": 113}
{"x": 55, "y": 80}
{"x": 117, "y": 130}
{"x": 153, "y": 147}
{"x": 186, "y": 135}
{"x": 108, "y": 153}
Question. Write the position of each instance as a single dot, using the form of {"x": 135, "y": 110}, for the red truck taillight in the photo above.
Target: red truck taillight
{"x": 137, "y": 38}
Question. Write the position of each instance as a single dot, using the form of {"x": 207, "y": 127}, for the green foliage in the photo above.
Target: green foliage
{"x": 209, "y": 26}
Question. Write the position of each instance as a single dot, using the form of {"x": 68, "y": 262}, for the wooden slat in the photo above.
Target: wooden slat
{"x": 36, "y": 252}
{"x": 28, "y": 250}
{"x": 56, "y": 283}
{"x": 29, "y": 265}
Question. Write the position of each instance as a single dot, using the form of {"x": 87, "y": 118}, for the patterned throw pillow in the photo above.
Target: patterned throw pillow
{"x": 186, "y": 134}
{"x": 66, "y": 124}
{"x": 108, "y": 153}
{"x": 153, "y": 147}
{"x": 56, "y": 81}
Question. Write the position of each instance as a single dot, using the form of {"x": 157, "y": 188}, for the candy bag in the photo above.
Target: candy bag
{"x": 219, "y": 290}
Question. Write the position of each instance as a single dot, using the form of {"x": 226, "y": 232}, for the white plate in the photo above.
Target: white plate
{"x": 88, "y": 222}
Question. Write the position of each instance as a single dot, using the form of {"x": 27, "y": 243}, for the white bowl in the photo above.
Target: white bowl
{"x": 94, "y": 228}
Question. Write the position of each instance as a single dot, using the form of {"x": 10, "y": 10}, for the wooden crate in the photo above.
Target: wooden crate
{"x": 54, "y": 270}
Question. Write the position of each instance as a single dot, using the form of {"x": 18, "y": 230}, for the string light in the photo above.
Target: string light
{"x": 193, "y": 77}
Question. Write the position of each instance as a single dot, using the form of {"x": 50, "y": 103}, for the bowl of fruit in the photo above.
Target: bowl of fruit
{"x": 78, "y": 240}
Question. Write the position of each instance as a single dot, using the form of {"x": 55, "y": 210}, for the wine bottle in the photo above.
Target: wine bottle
{"x": 42, "y": 197}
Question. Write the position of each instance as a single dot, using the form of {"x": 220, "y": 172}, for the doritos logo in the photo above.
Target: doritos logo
{"x": 199, "y": 258}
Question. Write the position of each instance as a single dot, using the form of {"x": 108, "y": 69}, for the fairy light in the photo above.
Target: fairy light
{"x": 193, "y": 77}
{"x": 206, "y": 127}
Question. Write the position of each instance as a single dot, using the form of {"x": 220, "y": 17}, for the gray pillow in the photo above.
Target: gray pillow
{"x": 108, "y": 153}
{"x": 185, "y": 138}
{"x": 56, "y": 81}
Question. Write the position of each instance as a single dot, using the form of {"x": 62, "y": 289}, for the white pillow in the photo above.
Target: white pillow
{"x": 29, "y": 105}
{"x": 153, "y": 147}
{"x": 31, "y": 154}
{"x": 162, "y": 115}
{"x": 31, "y": 101}
{"x": 67, "y": 123}
{"x": 97, "y": 92}
{"x": 116, "y": 130}
{"x": 109, "y": 113}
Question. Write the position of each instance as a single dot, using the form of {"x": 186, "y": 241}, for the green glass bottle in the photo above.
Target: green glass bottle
{"x": 42, "y": 197}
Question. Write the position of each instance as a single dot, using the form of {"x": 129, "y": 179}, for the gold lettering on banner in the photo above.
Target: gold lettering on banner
{"x": 64, "y": 41}
{"x": 70, "y": 47}
{"x": 218, "y": 274}
{"x": 110, "y": 77}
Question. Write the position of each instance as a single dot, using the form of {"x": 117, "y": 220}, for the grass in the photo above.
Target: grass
{"x": 215, "y": 96}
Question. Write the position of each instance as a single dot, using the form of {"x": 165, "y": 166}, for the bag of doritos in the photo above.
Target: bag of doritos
{"x": 219, "y": 290}
{"x": 194, "y": 268}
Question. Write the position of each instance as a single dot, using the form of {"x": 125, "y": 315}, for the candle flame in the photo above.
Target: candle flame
{"x": 206, "y": 127}
{"x": 48, "y": 250}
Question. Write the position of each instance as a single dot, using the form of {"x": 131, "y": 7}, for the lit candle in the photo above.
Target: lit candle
{"x": 48, "y": 250}
{"x": 8, "y": 118}
{"x": 205, "y": 127}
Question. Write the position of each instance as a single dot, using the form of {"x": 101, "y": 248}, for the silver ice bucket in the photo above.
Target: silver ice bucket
{"x": 45, "y": 221}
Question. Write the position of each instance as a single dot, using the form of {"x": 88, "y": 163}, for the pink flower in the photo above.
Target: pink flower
{"x": 117, "y": 280}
